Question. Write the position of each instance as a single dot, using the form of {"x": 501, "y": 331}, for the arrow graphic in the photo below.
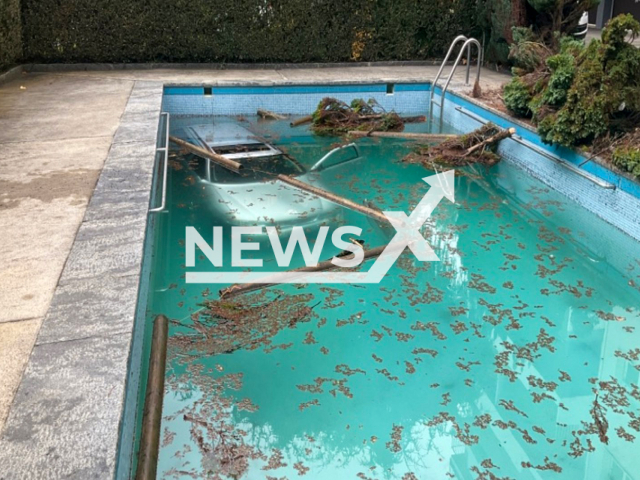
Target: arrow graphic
{"x": 407, "y": 235}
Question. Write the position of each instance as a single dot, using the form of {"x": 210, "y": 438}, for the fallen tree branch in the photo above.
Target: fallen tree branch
{"x": 462, "y": 150}
{"x": 332, "y": 197}
{"x": 240, "y": 288}
{"x": 335, "y": 117}
{"x": 501, "y": 135}
{"x": 268, "y": 115}
{"x": 302, "y": 121}
{"x": 210, "y": 154}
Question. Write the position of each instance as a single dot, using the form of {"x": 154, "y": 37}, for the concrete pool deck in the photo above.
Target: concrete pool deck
{"x": 56, "y": 130}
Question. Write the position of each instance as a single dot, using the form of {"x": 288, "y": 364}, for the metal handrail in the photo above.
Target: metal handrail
{"x": 564, "y": 163}
{"x": 164, "y": 149}
{"x": 318, "y": 164}
{"x": 465, "y": 46}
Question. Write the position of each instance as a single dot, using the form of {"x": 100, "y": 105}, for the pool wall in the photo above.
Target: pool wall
{"x": 609, "y": 195}
{"x": 295, "y": 100}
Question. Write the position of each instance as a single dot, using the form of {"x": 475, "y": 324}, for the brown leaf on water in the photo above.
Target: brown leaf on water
{"x": 601, "y": 423}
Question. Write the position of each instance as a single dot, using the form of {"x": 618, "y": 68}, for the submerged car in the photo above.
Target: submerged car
{"x": 254, "y": 196}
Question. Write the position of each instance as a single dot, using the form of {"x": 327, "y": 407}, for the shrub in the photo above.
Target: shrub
{"x": 628, "y": 159}
{"x": 517, "y": 97}
{"x": 242, "y": 30}
{"x": 582, "y": 93}
{"x": 605, "y": 95}
{"x": 10, "y": 33}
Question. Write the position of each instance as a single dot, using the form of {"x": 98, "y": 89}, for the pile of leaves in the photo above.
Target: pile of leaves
{"x": 577, "y": 95}
{"x": 334, "y": 117}
{"x": 249, "y": 322}
{"x": 453, "y": 153}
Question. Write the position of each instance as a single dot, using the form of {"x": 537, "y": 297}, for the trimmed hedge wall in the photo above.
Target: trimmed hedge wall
{"x": 242, "y": 30}
{"x": 10, "y": 33}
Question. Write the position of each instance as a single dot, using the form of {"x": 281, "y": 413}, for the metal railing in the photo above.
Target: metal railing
{"x": 165, "y": 150}
{"x": 466, "y": 46}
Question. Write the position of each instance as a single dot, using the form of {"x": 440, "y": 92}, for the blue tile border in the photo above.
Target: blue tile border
{"x": 293, "y": 89}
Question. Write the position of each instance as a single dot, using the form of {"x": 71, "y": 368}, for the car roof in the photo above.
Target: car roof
{"x": 223, "y": 134}
{"x": 218, "y": 137}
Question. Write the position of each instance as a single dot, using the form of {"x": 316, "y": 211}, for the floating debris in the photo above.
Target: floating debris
{"x": 335, "y": 117}
{"x": 269, "y": 115}
{"x": 475, "y": 147}
{"x": 224, "y": 326}
{"x": 600, "y": 420}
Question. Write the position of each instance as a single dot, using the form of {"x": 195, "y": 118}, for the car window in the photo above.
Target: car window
{"x": 199, "y": 166}
{"x": 257, "y": 169}
{"x": 339, "y": 157}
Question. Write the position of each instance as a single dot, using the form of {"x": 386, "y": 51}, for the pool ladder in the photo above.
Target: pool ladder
{"x": 466, "y": 46}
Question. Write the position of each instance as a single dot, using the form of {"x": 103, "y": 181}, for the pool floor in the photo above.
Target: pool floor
{"x": 515, "y": 356}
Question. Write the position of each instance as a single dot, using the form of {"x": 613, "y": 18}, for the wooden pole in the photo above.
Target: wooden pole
{"x": 268, "y": 115}
{"x": 152, "y": 414}
{"x": 302, "y": 121}
{"x": 201, "y": 152}
{"x": 370, "y": 212}
{"x": 240, "y": 288}
{"x": 415, "y": 119}
{"x": 429, "y": 137}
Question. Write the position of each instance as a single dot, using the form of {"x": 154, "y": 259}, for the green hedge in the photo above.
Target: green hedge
{"x": 10, "y": 33}
{"x": 242, "y": 30}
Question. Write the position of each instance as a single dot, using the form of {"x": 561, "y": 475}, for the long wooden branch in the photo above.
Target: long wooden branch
{"x": 240, "y": 288}
{"x": 269, "y": 115}
{"x": 332, "y": 197}
{"x": 201, "y": 152}
{"x": 302, "y": 121}
{"x": 431, "y": 137}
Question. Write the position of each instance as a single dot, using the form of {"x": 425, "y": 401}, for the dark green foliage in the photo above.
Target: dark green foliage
{"x": 10, "y": 33}
{"x": 543, "y": 5}
{"x": 517, "y": 97}
{"x": 562, "y": 67}
{"x": 628, "y": 159}
{"x": 555, "y": 18}
{"x": 545, "y": 20}
{"x": 526, "y": 52}
{"x": 242, "y": 30}
{"x": 582, "y": 93}
{"x": 499, "y": 18}
{"x": 605, "y": 95}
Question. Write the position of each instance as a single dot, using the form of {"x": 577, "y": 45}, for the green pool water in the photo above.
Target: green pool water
{"x": 515, "y": 356}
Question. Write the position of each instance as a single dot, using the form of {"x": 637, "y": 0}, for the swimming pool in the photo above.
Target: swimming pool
{"x": 502, "y": 360}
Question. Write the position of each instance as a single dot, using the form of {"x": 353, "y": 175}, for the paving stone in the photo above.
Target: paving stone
{"x": 51, "y": 432}
{"x": 90, "y": 307}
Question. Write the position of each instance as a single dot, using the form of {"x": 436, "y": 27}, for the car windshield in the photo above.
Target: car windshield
{"x": 256, "y": 169}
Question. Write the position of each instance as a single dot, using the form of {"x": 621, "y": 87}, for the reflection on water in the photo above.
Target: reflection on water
{"x": 516, "y": 356}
